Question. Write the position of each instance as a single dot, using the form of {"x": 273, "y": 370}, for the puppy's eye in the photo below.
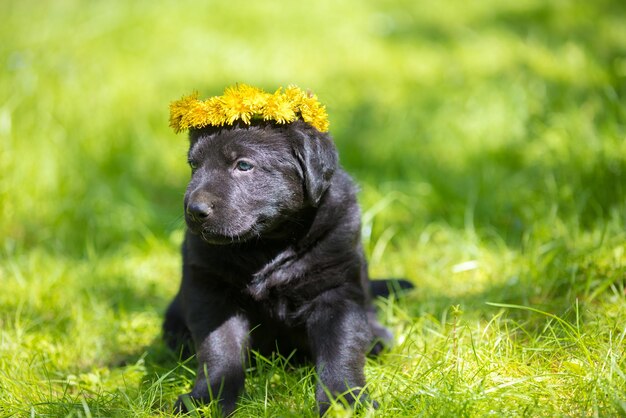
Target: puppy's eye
{"x": 193, "y": 165}
{"x": 243, "y": 165}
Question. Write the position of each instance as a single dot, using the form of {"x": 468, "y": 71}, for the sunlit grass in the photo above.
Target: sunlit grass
{"x": 489, "y": 141}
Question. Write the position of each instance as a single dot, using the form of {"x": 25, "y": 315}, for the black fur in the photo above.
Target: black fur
{"x": 272, "y": 259}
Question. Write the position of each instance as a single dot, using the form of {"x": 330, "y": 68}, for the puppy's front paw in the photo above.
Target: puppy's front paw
{"x": 258, "y": 288}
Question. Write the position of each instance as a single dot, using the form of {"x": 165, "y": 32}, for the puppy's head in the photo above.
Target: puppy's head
{"x": 250, "y": 182}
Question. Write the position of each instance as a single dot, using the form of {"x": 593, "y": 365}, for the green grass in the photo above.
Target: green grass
{"x": 489, "y": 140}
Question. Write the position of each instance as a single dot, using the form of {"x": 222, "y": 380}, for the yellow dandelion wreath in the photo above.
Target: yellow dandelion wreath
{"x": 247, "y": 103}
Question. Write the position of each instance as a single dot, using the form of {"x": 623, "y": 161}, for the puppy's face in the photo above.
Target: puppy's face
{"x": 248, "y": 182}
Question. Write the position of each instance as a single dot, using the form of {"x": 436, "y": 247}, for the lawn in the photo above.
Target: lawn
{"x": 489, "y": 142}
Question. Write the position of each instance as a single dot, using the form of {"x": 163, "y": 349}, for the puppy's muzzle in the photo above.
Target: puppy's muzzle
{"x": 200, "y": 207}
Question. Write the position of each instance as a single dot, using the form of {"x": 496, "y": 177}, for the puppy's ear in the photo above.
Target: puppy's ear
{"x": 318, "y": 160}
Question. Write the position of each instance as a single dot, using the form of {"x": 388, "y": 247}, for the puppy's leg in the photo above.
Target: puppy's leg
{"x": 221, "y": 337}
{"x": 382, "y": 337}
{"x": 175, "y": 331}
{"x": 339, "y": 335}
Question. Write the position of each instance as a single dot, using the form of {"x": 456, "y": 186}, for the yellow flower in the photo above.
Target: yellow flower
{"x": 179, "y": 109}
{"x": 196, "y": 115}
{"x": 278, "y": 108}
{"x": 244, "y": 102}
{"x": 253, "y": 98}
{"x": 234, "y": 106}
{"x": 294, "y": 95}
{"x": 314, "y": 113}
{"x": 216, "y": 115}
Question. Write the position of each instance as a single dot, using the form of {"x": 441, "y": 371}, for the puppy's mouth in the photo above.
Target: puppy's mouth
{"x": 211, "y": 237}
{"x": 224, "y": 236}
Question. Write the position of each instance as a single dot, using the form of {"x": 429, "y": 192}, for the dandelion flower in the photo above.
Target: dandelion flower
{"x": 245, "y": 103}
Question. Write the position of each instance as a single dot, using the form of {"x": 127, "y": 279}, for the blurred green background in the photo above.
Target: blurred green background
{"x": 488, "y": 138}
{"x": 515, "y": 107}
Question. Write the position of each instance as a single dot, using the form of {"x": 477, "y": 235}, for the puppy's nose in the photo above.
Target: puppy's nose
{"x": 199, "y": 210}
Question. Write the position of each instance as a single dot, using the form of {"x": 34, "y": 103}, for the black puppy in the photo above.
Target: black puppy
{"x": 272, "y": 258}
